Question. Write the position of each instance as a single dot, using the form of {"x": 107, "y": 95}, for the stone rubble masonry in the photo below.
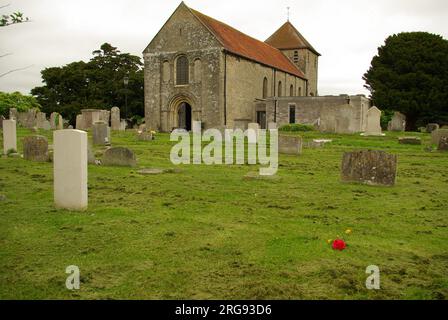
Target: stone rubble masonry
{"x": 9, "y": 136}
{"x": 369, "y": 167}
{"x": 70, "y": 169}
{"x": 35, "y": 148}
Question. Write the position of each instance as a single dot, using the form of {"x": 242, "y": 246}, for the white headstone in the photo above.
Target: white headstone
{"x": 197, "y": 127}
{"x": 79, "y": 122}
{"x": 70, "y": 169}
{"x": 253, "y": 132}
{"x": 272, "y": 125}
{"x": 123, "y": 125}
{"x": 9, "y": 136}
{"x": 373, "y": 122}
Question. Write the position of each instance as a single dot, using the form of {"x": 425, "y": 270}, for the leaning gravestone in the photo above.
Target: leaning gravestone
{"x": 373, "y": 127}
{"x": 9, "y": 136}
{"x": 369, "y": 167}
{"x": 437, "y": 134}
{"x": 70, "y": 169}
{"x": 443, "y": 144}
{"x": 119, "y": 156}
{"x": 289, "y": 144}
{"x": 430, "y": 127}
{"x": 101, "y": 133}
{"x": 35, "y": 148}
{"x": 409, "y": 140}
{"x": 115, "y": 118}
{"x": 398, "y": 122}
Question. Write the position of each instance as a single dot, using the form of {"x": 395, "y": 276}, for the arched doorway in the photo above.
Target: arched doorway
{"x": 184, "y": 116}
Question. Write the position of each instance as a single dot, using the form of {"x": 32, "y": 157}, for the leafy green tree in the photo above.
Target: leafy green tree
{"x": 410, "y": 75}
{"x": 16, "y": 100}
{"x": 97, "y": 84}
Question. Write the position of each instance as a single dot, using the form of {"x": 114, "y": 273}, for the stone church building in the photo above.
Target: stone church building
{"x": 197, "y": 68}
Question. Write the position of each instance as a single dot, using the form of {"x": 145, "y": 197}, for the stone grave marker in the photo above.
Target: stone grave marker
{"x": 119, "y": 156}
{"x": 369, "y": 167}
{"x": 409, "y": 140}
{"x": 101, "y": 133}
{"x": 70, "y": 169}
{"x": 289, "y": 144}
{"x": 9, "y": 136}
{"x": 115, "y": 118}
{"x": 35, "y": 148}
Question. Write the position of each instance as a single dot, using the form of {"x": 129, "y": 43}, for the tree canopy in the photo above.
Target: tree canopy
{"x": 16, "y": 100}
{"x": 97, "y": 84}
{"x": 410, "y": 74}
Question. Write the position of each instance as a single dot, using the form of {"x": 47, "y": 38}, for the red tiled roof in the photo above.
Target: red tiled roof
{"x": 245, "y": 46}
{"x": 288, "y": 37}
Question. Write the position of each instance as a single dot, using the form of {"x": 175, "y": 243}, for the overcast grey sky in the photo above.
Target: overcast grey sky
{"x": 346, "y": 32}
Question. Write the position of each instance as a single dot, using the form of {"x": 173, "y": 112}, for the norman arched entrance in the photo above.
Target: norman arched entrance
{"x": 180, "y": 112}
{"x": 184, "y": 116}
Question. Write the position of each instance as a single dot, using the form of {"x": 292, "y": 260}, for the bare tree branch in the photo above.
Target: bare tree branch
{"x": 15, "y": 70}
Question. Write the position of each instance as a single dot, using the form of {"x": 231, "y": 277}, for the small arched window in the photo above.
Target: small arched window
{"x": 300, "y": 91}
{"x": 279, "y": 89}
{"x": 265, "y": 88}
{"x": 182, "y": 70}
{"x": 291, "y": 91}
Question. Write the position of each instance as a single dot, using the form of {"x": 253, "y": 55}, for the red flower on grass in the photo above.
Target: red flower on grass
{"x": 339, "y": 244}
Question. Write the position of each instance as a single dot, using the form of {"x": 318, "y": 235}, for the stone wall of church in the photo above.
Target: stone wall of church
{"x": 183, "y": 35}
{"x": 244, "y": 80}
{"x": 338, "y": 114}
{"x": 308, "y": 62}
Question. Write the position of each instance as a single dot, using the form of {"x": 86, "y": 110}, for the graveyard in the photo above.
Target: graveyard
{"x": 160, "y": 231}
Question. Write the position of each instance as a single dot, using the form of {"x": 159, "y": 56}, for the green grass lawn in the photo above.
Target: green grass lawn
{"x": 207, "y": 233}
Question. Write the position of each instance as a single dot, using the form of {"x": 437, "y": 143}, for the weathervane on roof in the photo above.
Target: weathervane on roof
{"x": 288, "y": 12}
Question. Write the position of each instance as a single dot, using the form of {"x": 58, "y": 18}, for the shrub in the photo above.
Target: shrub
{"x": 297, "y": 127}
{"x": 16, "y": 100}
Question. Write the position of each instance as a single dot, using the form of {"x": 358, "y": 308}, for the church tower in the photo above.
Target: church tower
{"x": 289, "y": 40}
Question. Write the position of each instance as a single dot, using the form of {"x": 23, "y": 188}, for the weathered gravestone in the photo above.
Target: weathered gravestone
{"x": 369, "y": 167}
{"x": 430, "y": 127}
{"x": 123, "y": 125}
{"x": 9, "y": 136}
{"x": 437, "y": 134}
{"x": 253, "y": 132}
{"x": 35, "y": 148}
{"x": 41, "y": 118}
{"x": 56, "y": 121}
{"x": 119, "y": 156}
{"x": 101, "y": 133}
{"x": 289, "y": 144}
{"x": 398, "y": 122}
{"x": 79, "y": 122}
{"x": 70, "y": 169}
{"x": 409, "y": 140}
{"x": 115, "y": 118}
{"x": 443, "y": 144}
{"x": 373, "y": 127}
